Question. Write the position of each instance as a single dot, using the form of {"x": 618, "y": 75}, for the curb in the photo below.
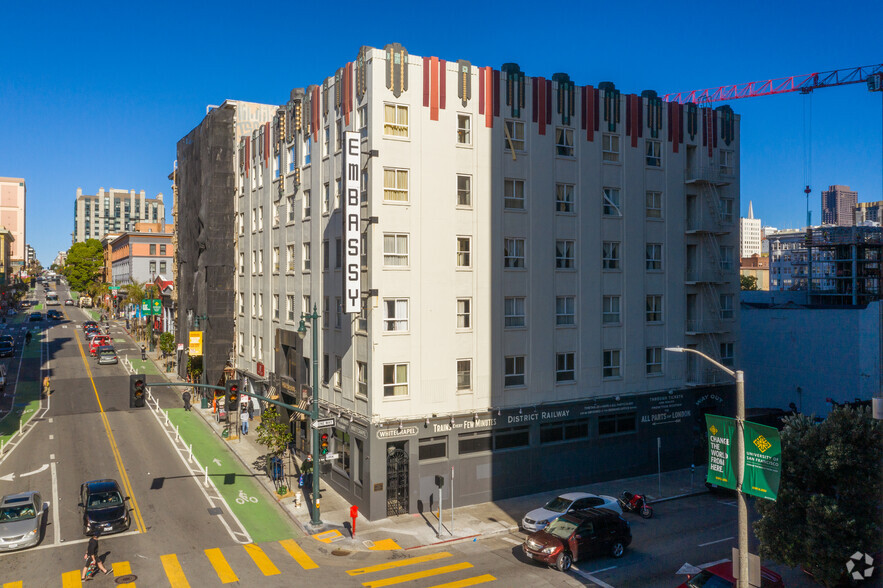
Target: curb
{"x": 679, "y": 496}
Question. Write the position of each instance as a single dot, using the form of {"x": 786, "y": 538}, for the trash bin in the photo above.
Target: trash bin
{"x": 275, "y": 468}
{"x": 204, "y": 403}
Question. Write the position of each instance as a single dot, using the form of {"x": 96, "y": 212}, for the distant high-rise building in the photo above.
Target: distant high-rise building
{"x": 13, "y": 197}
{"x": 869, "y": 212}
{"x": 838, "y": 206}
{"x": 749, "y": 234}
{"x": 114, "y": 210}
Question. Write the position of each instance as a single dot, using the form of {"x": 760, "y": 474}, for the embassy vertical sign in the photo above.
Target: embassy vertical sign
{"x": 352, "y": 251}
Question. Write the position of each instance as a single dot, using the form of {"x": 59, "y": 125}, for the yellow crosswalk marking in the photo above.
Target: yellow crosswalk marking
{"x": 299, "y": 555}
{"x": 12, "y": 584}
{"x": 123, "y": 568}
{"x": 399, "y": 563}
{"x": 174, "y": 573}
{"x": 474, "y": 581}
{"x": 417, "y": 575}
{"x": 261, "y": 560}
{"x": 71, "y": 579}
{"x": 222, "y": 568}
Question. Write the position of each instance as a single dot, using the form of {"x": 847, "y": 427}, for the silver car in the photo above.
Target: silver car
{"x": 20, "y": 518}
{"x": 106, "y": 354}
{"x": 539, "y": 518}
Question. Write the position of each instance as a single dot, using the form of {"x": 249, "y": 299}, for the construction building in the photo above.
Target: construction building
{"x": 113, "y": 210}
{"x": 852, "y": 261}
{"x": 838, "y": 206}
{"x": 527, "y": 247}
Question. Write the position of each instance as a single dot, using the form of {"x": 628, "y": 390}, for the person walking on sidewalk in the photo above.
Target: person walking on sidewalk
{"x": 186, "y": 397}
{"x": 306, "y": 468}
{"x": 143, "y": 352}
{"x": 243, "y": 416}
{"x": 91, "y": 556}
{"x": 250, "y": 409}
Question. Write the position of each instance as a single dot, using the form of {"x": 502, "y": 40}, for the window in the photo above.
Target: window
{"x": 276, "y": 306}
{"x": 338, "y": 370}
{"x": 276, "y": 166}
{"x": 306, "y": 257}
{"x": 726, "y": 208}
{"x": 261, "y": 218}
{"x": 338, "y": 254}
{"x": 152, "y": 267}
{"x": 241, "y": 303}
{"x": 162, "y": 267}
{"x": 326, "y": 198}
{"x": 727, "y": 357}
{"x": 325, "y": 255}
{"x": 432, "y": 448}
{"x": 395, "y": 120}
{"x": 726, "y": 301}
{"x": 254, "y": 304}
{"x": 513, "y": 253}
{"x": 306, "y": 308}
{"x": 654, "y": 308}
{"x": 396, "y": 314}
{"x": 564, "y": 142}
{"x": 464, "y": 374}
{"x": 241, "y": 223}
{"x": 654, "y": 153}
{"x": 727, "y": 162}
{"x": 153, "y": 249}
{"x": 289, "y": 254}
{"x": 241, "y": 263}
{"x": 565, "y": 312}
{"x": 326, "y": 139}
{"x": 610, "y": 366}
{"x": 326, "y": 309}
{"x": 395, "y": 185}
{"x": 611, "y": 202}
{"x": 464, "y": 313}
{"x": 564, "y": 367}
{"x": 511, "y": 437}
{"x": 653, "y": 204}
{"x": 616, "y": 423}
{"x": 513, "y": 311}
{"x": 362, "y": 116}
{"x": 306, "y": 205}
{"x": 464, "y": 190}
{"x": 564, "y": 431}
{"x": 610, "y": 255}
{"x": 464, "y": 129}
{"x": 338, "y": 316}
{"x": 292, "y": 159}
{"x": 610, "y": 310}
{"x": 474, "y": 442}
{"x": 513, "y": 374}
{"x": 464, "y": 247}
{"x": 162, "y": 249}
{"x": 289, "y": 304}
{"x": 240, "y": 343}
{"x": 653, "y": 256}
{"x": 338, "y": 137}
{"x": 514, "y": 131}
{"x": 395, "y": 379}
{"x": 610, "y": 148}
{"x": 326, "y": 369}
{"x": 565, "y": 252}
{"x": 654, "y": 360}
{"x": 308, "y": 149}
{"x": 261, "y": 261}
{"x": 260, "y": 306}
{"x": 362, "y": 324}
{"x": 564, "y": 198}
{"x": 275, "y": 260}
{"x": 726, "y": 254}
{"x": 254, "y": 346}
{"x": 362, "y": 369}
{"x": 513, "y": 194}
{"x": 395, "y": 249}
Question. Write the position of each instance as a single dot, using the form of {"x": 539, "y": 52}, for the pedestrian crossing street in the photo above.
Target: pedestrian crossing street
{"x": 256, "y": 565}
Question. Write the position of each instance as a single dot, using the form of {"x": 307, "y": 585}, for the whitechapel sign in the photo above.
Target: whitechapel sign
{"x": 352, "y": 253}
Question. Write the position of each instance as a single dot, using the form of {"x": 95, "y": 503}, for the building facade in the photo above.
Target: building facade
{"x": 869, "y": 212}
{"x": 113, "y": 210}
{"x": 838, "y": 206}
{"x": 749, "y": 234}
{"x": 528, "y": 248}
{"x": 13, "y": 209}
{"x": 137, "y": 258}
{"x": 7, "y": 245}
{"x": 757, "y": 266}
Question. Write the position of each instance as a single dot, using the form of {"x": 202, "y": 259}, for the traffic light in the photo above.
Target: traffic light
{"x": 323, "y": 444}
{"x": 137, "y": 390}
{"x": 231, "y": 395}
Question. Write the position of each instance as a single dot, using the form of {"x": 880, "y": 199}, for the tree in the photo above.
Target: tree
{"x": 167, "y": 345}
{"x": 134, "y": 294}
{"x": 83, "y": 265}
{"x": 272, "y": 433}
{"x": 748, "y": 282}
{"x": 829, "y": 494}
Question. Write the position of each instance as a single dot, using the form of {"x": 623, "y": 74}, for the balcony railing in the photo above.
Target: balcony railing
{"x": 710, "y": 174}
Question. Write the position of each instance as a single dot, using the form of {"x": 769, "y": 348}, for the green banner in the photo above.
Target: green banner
{"x": 721, "y": 437}
{"x": 156, "y": 305}
{"x": 763, "y": 461}
{"x": 145, "y": 307}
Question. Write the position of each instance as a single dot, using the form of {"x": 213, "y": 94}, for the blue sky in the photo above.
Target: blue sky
{"x": 97, "y": 94}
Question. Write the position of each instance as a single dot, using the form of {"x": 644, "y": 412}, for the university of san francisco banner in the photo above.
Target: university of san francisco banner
{"x": 352, "y": 251}
{"x": 763, "y": 461}
{"x": 721, "y": 437}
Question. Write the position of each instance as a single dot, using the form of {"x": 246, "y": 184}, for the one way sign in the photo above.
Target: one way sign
{"x": 323, "y": 424}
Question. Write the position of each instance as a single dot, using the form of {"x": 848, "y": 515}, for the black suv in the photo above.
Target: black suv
{"x": 577, "y": 535}
{"x": 104, "y": 508}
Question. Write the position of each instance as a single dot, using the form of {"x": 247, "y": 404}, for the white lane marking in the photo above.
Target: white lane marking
{"x": 511, "y": 540}
{"x": 51, "y": 456}
{"x": 56, "y": 527}
{"x": 42, "y": 468}
{"x": 50, "y": 420}
{"x": 8, "y": 477}
{"x": 591, "y": 578}
{"x": 51, "y": 437}
{"x": 713, "y": 542}
{"x": 713, "y": 563}
{"x": 74, "y": 542}
{"x": 603, "y": 570}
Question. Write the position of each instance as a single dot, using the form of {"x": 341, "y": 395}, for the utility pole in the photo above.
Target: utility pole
{"x": 315, "y": 521}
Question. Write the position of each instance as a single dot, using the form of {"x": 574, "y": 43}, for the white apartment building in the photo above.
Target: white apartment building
{"x": 113, "y": 211}
{"x": 529, "y": 247}
{"x": 749, "y": 234}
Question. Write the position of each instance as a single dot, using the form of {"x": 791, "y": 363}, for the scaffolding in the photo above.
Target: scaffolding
{"x": 849, "y": 264}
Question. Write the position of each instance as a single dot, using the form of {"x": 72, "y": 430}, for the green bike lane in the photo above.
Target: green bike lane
{"x": 27, "y": 388}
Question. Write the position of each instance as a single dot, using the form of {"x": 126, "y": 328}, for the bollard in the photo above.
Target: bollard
{"x": 190, "y": 454}
{"x": 167, "y": 418}
{"x": 177, "y": 436}
{"x": 205, "y": 481}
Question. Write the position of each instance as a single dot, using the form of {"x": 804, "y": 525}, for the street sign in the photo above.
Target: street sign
{"x": 113, "y": 287}
{"x": 156, "y": 306}
{"x": 721, "y": 433}
{"x": 330, "y": 456}
{"x": 323, "y": 424}
{"x": 763, "y": 461}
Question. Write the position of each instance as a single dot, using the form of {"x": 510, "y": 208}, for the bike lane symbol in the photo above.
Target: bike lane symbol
{"x": 243, "y": 498}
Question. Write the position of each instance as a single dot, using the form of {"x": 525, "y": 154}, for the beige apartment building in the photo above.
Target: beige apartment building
{"x": 529, "y": 246}
{"x": 113, "y": 211}
{"x": 13, "y": 209}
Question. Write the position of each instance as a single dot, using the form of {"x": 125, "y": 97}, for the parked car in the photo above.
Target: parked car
{"x": 538, "y": 518}
{"x": 103, "y": 506}
{"x": 106, "y": 354}
{"x": 2, "y": 376}
{"x": 577, "y": 535}
{"x": 96, "y": 342}
{"x": 54, "y": 315}
{"x": 721, "y": 576}
{"x": 20, "y": 518}
{"x": 35, "y": 317}
{"x": 7, "y": 346}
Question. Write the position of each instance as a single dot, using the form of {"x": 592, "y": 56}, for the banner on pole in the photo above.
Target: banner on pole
{"x": 195, "y": 342}
{"x": 763, "y": 461}
{"x": 721, "y": 434}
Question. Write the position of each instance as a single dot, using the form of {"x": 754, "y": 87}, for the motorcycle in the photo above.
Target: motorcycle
{"x": 635, "y": 502}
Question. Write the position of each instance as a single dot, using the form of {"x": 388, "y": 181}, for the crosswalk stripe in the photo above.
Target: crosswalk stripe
{"x": 123, "y": 568}
{"x": 399, "y": 563}
{"x": 71, "y": 579}
{"x": 299, "y": 555}
{"x": 417, "y": 575}
{"x": 222, "y": 568}
{"x": 473, "y": 581}
{"x": 174, "y": 573}
{"x": 261, "y": 560}
{"x": 12, "y": 584}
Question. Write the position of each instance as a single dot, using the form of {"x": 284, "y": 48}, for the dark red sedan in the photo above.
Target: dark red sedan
{"x": 577, "y": 535}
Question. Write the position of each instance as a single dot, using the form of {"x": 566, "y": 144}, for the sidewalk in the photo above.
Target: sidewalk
{"x": 419, "y": 530}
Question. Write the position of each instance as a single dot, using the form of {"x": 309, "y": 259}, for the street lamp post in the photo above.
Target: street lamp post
{"x": 739, "y": 376}
{"x": 315, "y": 521}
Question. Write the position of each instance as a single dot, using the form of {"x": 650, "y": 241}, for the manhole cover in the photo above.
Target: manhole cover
{"x": 127, "y": 579}
{"x": 340, "y": 552}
